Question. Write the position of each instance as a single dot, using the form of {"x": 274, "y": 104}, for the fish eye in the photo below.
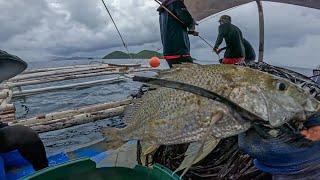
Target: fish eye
{"x": 281, "y": 86}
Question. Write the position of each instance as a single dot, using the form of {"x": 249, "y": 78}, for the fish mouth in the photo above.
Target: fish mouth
{"x": 200, "y": 92}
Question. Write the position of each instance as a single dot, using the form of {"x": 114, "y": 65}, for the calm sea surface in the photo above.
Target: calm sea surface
{"x": 63, "y": 100}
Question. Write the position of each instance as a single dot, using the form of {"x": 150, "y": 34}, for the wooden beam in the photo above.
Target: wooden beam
{"x": 69, "y": 77}
{"x": 77, "y": 120}
{"x": 59, "y": 68}
{"x": 63, "y": 114}
{"x": 59, "y": 72}
{"x": 69, "y": 86}
{"x": 4, "y": 93}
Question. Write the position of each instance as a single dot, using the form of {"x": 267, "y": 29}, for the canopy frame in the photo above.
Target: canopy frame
{"x": 261, "y": 31}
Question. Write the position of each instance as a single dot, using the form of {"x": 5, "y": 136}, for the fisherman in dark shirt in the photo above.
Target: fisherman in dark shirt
{"x": 174, "y": 34}
{"x": 250, "y": 53}
{"x": 235, "y": 51}
{"x": 284, "y": 154}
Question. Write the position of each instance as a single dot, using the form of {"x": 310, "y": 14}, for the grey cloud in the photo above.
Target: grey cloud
{"x": 17, "y": 17}
{"x": 36, "y": 29}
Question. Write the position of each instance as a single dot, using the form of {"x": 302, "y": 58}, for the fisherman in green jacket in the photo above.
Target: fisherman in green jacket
{"x": 235, "y": 50}
{"x": 250, "y": 53}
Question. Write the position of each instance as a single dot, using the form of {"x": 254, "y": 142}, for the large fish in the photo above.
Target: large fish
{"x": 167, "y": 116}
{"x": 272, "y": 98}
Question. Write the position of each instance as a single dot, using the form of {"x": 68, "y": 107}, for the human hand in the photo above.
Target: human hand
{"x": 216, "y": 50}
{"x": 312, "y": 133}
{"x": 194, "y": 33}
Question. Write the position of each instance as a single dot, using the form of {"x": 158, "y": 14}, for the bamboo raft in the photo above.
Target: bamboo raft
{"x": 12, "y": 89}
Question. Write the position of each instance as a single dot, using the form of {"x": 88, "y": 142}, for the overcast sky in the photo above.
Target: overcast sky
{"x": 41, "y": 29}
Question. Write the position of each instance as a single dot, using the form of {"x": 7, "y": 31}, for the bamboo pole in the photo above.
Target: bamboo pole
{"x": 69, "y": 77}
{"x": 77, "y": 120}
{"x": 4, "y": 93}
{"x": 69, "y": 86}
{"x": 62, "y": 114}
{"x": 51, "y": 78}
{"x": 70, "y": 74}
{"x": 7, "y": 117}
{"x": 7, "y": 113}
{"x": 60, "y": 68}
{"x": 125, "y": 65}
{"x": 7, "y": 108}
{"x": 68, "y": 70}
{"x": 42, "y": 74}
{"x": 61, "y": 75}
{"x": 7, "y": 99}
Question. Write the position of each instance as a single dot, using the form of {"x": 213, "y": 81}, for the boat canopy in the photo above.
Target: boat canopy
{"x": 201, "y": 9}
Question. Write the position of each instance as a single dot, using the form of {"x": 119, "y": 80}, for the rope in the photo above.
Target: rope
{"x": 115, "y": 25}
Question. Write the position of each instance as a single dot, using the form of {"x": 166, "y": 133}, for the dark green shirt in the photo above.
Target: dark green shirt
{"x": 234, "y": 40}
{"x": 250, "y": 54}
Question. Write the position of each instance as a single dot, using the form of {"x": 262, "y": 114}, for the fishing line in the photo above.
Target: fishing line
{"x": 115, "y": 25}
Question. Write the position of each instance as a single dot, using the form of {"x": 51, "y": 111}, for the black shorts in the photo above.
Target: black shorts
{"x": 179, "y": 61}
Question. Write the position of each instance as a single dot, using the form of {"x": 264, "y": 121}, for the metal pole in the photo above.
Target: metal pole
{"x": 261, "y": 31}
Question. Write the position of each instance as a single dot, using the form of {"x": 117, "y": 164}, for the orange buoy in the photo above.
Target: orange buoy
{"x": 154, "y": 62}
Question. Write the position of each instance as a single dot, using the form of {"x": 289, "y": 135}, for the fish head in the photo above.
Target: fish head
{"x": 274, "y": 99}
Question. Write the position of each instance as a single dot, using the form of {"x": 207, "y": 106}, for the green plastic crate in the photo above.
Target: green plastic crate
{"x": 85, "y": 169}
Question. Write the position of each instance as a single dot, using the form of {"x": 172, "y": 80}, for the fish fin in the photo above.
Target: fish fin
{"x": 175, "y": 68}
{"x": 184, "y": 65}
{"x": 215, "y": 117}
{"x": 130, "y": 110}
{"x": 166, "y": 73}
{"x": 146, "y": 150}
{"x": 191, "y": 155}
{"x": 115, "y": 138}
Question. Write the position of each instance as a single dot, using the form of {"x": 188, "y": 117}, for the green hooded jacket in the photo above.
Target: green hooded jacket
{"x": 234, "y": 40}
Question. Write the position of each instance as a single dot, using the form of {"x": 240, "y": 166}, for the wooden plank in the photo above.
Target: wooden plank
{"x": 7, "y": 108}
{"x": 77, "y": 120}
{"x": 4, "y": 93}
{"x": 60, "y": 68}
{"x": 125, "y": 65}
{"x": 60, "y": 72}
{"x": 63, "y": 114}
{"x": 70, "y": 77}
{"x": 69, "y": 86}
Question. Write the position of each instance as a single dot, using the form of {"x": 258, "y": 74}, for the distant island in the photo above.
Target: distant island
{"x": 145, "y": 54}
